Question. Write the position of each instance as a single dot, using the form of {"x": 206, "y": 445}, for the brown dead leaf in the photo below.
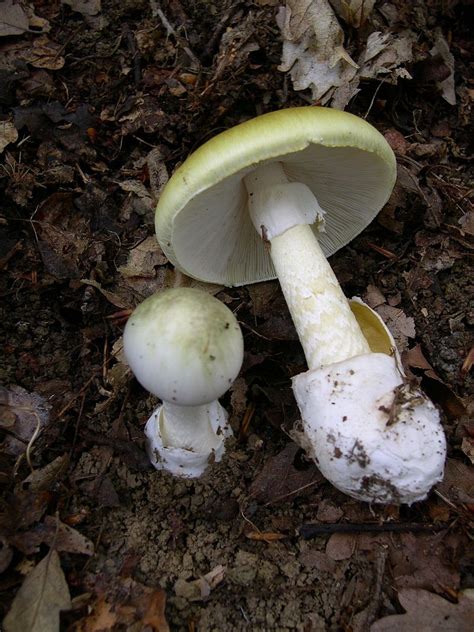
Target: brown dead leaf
{"x": 143, "y": 259}
{"x": 401, "y": 326}
{"x": 441, "y": 50}
{"x": 424, "y": 561}
{"x": 262, "y": 296}
{"x": 13, "y": 19}
{"x": 28, "y": 507}
{"x": 125, "y": 603}
{"x": 63, "y": 236}
{"x": 318, "y": 560}
{"x": 85, "y": 7}
{"x": 341, "y": 546}
{"x": 8, "y": 134}
{"x": 22, "y": 415}
{"x": 458, "y": 482}
{"x": 6, "y": 554}
{"x": 467, "y": 446}
{"x": 42, "y": 478}
{"x": 353, "y": 12}
{"x": 313, "y": 48}
{"x": 427, "y": 612}
{"x": 439, "y": 392}
{"x": 42, "y": 596}
{"x": 55, "y": 533}
{"x": 103, "y": 616}
{"x": 44, "y": 54}
{"x": 468, "y": 362}
{"x": 280, "y": 480}
{"x": 373, "y": 296}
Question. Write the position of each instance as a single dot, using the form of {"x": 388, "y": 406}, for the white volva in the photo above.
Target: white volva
{"x": 185, "y": 347}
{"x": 374, "y": 436}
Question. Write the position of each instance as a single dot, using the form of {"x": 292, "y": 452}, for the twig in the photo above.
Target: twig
{"x": 374, "y": 605}
{"x": 135, "y": 53}
{"x": 308, "y": 531}
{"x": 170, "y": 30}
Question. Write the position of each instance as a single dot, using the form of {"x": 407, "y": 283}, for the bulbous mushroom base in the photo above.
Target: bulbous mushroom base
{"x": 373, "y": 435}
{"x": 184, "y": 462}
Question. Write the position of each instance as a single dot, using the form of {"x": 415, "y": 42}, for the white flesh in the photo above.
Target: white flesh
{"x": 183, "y": 440}
{"x": 281, "y": 212}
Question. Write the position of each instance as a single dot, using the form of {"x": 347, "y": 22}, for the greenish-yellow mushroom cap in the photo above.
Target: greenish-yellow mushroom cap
{"x": 202, "y": 219}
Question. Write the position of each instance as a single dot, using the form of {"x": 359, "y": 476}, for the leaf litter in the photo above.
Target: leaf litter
{"x": 42, "y": 596}
{"x": 99, "y": 104}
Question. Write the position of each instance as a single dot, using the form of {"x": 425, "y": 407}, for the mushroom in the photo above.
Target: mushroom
{"x": 273, "y": 197}
{"x": 185, "y": 347}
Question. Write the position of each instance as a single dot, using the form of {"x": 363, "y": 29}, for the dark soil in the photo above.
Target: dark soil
{"x": 78, "y": 191}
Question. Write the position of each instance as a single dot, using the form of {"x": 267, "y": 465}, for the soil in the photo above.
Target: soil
{"x": 96, "y": 136}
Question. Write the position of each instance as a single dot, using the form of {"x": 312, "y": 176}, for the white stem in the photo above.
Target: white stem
{"x": 190, "y": 427}
{"x": 279, "y": 209}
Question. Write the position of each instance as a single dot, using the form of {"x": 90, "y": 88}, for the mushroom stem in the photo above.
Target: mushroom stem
{"x": 281, "y": 211}
{"x": 190, "y": 427}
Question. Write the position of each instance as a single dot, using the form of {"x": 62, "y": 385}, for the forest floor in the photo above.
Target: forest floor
{"x": 98, "y": 104}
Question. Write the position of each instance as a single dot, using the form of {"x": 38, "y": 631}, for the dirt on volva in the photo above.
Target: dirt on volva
{"x": 99, "y": 102}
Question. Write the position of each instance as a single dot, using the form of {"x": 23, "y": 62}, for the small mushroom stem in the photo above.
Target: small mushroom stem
{"x": 190, "y": 427}
{"x": 281, "y": 211}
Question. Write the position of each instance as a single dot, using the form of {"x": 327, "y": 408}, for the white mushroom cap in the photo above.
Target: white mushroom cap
{"x": 203, "y": 222}
{"x": 184, "y": 346}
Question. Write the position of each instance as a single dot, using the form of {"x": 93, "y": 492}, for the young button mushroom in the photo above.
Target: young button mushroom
{"x": 273, "y": 197}
{"x": 185, "y": 347}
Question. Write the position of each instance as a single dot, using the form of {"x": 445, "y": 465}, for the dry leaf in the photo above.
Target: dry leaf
{"x": 353, "y": 12}
{"x": 427, "y": 612}
{"x": 143, "y": 259}
{"x": 44, "y": 54}
{"x": 446, "y": 86}
{"x": 22, "y": 415}
{"x": 313, "y": 48}
{"x": 53, "y": 532}
{"x": 13, "y": 20}
{"x": 43, "y": 594}
{"x": 458, "y": 483}
{"x": 385, "y": 56}
{"x": 341, "y": 546}
{"x": 8, "y": 133}
{"x": 424, "y": 561}
{"x": 127, "y": 605}
{"x": 402, "y": 327}
{"x": 281, "y": 481}
{"x": 86, "y": 7}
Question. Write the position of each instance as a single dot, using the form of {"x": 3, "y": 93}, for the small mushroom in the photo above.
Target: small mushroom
{"x": 185, "y": 347}
{"x": 273, "y": 197}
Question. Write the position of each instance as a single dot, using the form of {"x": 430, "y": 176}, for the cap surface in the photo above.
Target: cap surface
{"x": 184, "y": 346}
{"x": 202, "y": 219}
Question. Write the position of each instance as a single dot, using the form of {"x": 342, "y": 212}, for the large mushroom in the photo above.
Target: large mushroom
{"x": 273, "y": 197}
{"x": 185, "y": 347}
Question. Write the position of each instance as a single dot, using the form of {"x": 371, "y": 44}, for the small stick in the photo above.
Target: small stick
{"x": 308, "y": 531}
{"x": 170, "y": 30}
